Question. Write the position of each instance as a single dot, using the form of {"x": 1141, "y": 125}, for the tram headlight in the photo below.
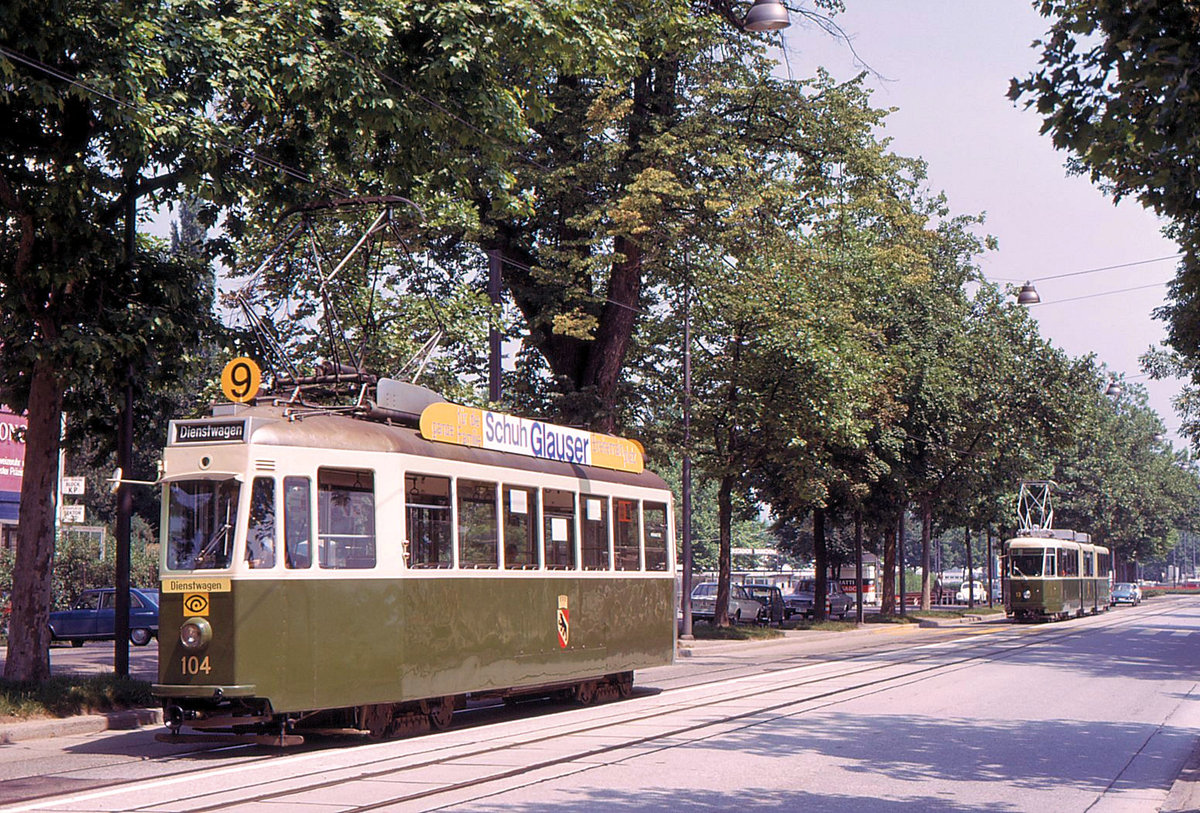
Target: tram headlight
{"x": 1025, "y": 594}
{"x": 195, "y": 633}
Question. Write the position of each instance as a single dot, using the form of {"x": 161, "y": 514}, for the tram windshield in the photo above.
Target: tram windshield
{"x": 201, "y": 516}
{"x": 1027, "y": 562}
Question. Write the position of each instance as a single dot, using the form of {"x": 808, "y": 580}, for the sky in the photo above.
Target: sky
{"x": 946, "y": 66}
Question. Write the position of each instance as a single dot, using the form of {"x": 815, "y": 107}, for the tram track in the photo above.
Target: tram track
{"x": 907, "y": 664}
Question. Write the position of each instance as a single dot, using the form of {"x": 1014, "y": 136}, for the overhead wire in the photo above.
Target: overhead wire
{"x": 1091, "y": 270}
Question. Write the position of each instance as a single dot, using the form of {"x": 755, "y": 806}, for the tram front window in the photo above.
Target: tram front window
{"x": 1026, "y": 562}
{"x": 200, "y": 519}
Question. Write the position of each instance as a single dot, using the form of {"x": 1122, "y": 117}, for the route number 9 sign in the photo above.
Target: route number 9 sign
{"x": 241, "y": 379}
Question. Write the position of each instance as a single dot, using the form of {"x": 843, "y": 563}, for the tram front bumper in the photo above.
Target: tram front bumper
{"x": 203, "y": 692}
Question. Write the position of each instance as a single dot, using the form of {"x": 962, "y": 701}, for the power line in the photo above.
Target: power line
{"x": 1107, "y": 268}
{"x": 1092, "y": 270}
{"x": 1093, "y": 296}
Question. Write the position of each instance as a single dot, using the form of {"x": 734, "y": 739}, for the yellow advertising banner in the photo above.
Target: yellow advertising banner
{"x": 470, "y": 426}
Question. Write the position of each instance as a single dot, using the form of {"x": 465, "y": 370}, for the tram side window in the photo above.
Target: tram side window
{"x": 626, "y": 544}
{"x": 1068, "y": 562}
{"x": 595, "y": 532}
{"x": 656, "y": 536}
{"x": 427, "y": 503}
{"x": 297, "y": 522}
{"x": 477, "y": 531}
{"x": 520, "y": 528}
{"x": 260, "y": 532}
{"x": 559, "y": 528}
{"x": 345, "y": 519}
{"x": 1089, "y": 564}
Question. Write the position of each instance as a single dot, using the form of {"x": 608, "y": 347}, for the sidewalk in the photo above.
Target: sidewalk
{"x": 124, "y": 720}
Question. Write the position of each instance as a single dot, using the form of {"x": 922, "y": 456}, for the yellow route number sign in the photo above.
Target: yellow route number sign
{"x": 241, "y": 379}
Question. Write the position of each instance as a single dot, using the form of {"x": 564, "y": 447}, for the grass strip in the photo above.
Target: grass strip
{"x": 68, "y": 695}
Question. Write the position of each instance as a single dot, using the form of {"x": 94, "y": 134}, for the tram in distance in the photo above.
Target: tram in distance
{"x": 1056, "y": 574}
{"x": 326, "y": 571}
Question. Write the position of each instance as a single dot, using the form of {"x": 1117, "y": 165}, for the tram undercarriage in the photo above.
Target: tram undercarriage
{"x": 253, "y": 720}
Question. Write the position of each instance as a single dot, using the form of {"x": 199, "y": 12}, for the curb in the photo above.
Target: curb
{"x": 124, "y": 720}
{"x": 699, "y": 646}
{"x": 1185, "y": 792}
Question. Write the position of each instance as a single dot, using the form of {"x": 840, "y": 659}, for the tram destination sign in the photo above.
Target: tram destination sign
{"x": 208, "y": 432}
{"x": 470, "y": 426}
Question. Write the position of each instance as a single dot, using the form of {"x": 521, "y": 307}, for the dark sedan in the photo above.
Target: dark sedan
{"x": 93, "y": 618}
{"x": 800, "y": 601}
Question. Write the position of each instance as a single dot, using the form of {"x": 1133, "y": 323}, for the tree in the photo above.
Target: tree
{"x": 107, "y": 106}
{"x": 1120, "y": 482}
{"x": 1115, "y": 90}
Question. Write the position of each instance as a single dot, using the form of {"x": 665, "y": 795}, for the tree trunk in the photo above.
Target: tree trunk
{"x": 887, "y": 575}
{"x": 970, "y": 570}
{"x": 858, "y": 568}
{"x": 724, "y": 549}
{"x": 926, "y": 539}
{"x": 901, "y": 576}
{"x": 28, "y": 657}
{"x": 820, "y": 564}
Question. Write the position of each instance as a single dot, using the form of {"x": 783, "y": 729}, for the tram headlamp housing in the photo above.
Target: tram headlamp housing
{"x": 195, "y": 633}
{"x": 1025, "y": 594}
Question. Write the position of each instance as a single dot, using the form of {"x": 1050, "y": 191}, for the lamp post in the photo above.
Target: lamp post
{"x": 685, "y": 598}
{"x": 493, "y": 331}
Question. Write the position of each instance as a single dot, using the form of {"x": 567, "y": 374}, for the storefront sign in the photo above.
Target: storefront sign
{"x": 12, "y": 451}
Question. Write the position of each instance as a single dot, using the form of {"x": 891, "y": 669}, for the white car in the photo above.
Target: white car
{"x": 742, "y": 606}
{"x": 970, "y": 589}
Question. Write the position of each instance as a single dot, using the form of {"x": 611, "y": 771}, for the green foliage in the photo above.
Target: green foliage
{"x": 1115, "y": 90}
{"x": 67, "y": 695}
{"x": 80, "y": 563}
{"x": 738, "y": 632}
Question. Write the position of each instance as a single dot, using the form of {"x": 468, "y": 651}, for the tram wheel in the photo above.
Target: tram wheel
{"x": 377, "y": 720}
{"x": 625, "y": 685}
{"x": 585, "y": 693}
{"x": 441, "y": 713}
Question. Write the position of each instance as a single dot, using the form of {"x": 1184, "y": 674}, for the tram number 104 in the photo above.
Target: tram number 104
{"x": 193, "y": 665}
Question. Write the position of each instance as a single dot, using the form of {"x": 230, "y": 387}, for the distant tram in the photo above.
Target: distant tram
{"x": 1054, "y": 574}
{"x": 326, "y": 571}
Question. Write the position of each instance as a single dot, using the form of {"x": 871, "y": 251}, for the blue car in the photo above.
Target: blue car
{"x": 93, "y": 618}
{"x": 1126, "y": 593}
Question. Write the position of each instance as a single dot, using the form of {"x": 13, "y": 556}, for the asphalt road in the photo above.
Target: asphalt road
{"x": 99, "y": 656}
{"x": 1095, "y": 714}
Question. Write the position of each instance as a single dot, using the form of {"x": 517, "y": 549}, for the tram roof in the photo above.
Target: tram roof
{"x": 272, "y": 426}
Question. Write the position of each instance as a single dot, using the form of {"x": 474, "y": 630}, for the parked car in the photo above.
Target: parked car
{"x": 771, "y": 599}
{"x": 800, "y": 600}
{"x": 94, "y": 617}
{"x": 1125, "y": 593}
{"x": 970, "y": 590}
{"x": 742, "y": 606}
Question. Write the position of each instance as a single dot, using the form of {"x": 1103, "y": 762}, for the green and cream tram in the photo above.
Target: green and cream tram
{"x": 327, "y": 571}
{"x": 1055, "y": 574}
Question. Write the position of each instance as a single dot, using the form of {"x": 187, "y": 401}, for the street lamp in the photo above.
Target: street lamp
{"x": 1028, "y": 295}
{"x": 1113, "y": 390}
{"x": 767, "y": 15}
{"x": 685, "y": 583}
